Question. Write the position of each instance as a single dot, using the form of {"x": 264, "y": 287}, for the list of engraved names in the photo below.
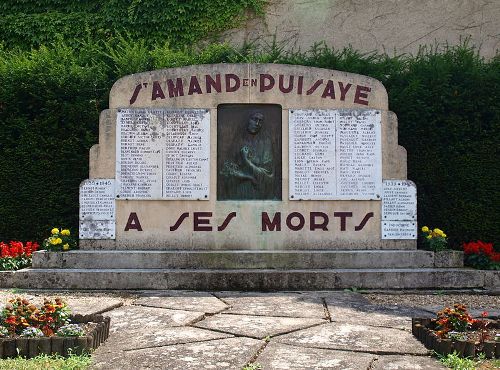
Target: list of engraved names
{"x": 163, "y": 153}
{"x": 335, "y": 154}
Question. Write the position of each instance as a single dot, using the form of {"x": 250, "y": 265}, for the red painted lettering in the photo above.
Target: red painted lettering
{"x": 226, "y": 221}
{"x": 179, "y": 221}
{"x": 133, "y": 222}
{"x": 194, "y": 86}
{"x": 343, "y": 216}
{"x": 135, "y": 94}
{"x": 245, "y": 82}
{"x": 263, "y": 85}
{"x": 364, "y": 221}
{"x": 329, "y": 90}
{"x": 232, "y": 77}
{"x": 314, "y": 87}
{"x": 314, "y": 225}
{"x": 343, "y": 90}
{"x": 175, "y": 89}
{"x": 253, "y": 82}
{"x": 301, "y": 223}
{"x": 300, "y": 84}
{"x": 361, "y": 93}
{"x": 211, "y": 83}
{"x": 200, "y": 219}
{"x": 157, "y": 91}
{"x": 267, "y": 224}
{"x": 281, "y": 84}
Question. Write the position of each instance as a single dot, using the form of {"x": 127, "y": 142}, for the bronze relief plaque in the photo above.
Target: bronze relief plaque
{"x": 249, "y": 152}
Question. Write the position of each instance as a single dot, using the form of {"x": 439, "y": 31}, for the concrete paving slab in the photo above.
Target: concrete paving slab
{"x": 231, "y": 354}
{"x": 256, "y": 326}
{"x": 128, "y": 318}
{"x": 277, "y": 356}
{"x": 274, "y": 304}
{"x": 187, "y": 301}
{"x": 161, "y": 336}
{"x": 356, "y": 338}
{"x": 398, "y": 317}
{"x": 343, "y": 299}
{"x": 406, "y": 363}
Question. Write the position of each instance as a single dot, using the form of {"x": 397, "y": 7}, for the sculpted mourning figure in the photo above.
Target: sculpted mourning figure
{"x": 249, "y": 174}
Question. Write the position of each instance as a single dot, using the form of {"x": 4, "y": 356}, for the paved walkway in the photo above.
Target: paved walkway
{"x": 227, "y": 330}
{"x": 195, "y": 330}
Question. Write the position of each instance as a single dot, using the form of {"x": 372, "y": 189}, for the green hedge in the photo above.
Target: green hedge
{"x": 447, "y": 102}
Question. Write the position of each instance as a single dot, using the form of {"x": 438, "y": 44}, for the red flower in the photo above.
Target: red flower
{"x": 11, "y": 320}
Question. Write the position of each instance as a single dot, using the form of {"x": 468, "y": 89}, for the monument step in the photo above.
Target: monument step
{"x": 247, "y": 279}
{"x": 235, "y": 259}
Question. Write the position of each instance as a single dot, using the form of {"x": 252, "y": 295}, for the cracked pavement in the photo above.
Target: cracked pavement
{"x": 228, "y": 330}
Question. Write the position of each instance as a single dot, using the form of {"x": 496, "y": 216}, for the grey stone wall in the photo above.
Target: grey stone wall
{"x": 391, "y": 26}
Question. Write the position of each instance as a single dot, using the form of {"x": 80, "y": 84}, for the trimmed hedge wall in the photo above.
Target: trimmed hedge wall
{"x": 447, "y": 102}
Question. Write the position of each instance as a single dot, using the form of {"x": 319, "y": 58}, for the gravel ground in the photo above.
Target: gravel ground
{"x": 472, "y": 301}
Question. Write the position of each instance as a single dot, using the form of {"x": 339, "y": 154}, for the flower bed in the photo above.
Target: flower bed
{"x": 481, "y": 255}
{"x": 96, "y": 332}
{"x": 454, "y": 330}
{"x": 28, "y": 331}
{"x": 16, "y": 255}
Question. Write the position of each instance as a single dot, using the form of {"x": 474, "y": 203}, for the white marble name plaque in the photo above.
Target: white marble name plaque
{"x": 399, "y": 200}
{"x": 335, "y": 154}
{"x": 98, "y": 229}
{"x": 399, "y": 229}
{"x": 97, "y": 206}
{"x": 163, "y": 153}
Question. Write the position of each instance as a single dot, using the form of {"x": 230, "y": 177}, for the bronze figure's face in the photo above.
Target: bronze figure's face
{"x": 255, "y": 123}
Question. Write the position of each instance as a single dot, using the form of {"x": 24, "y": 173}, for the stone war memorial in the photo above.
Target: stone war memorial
{"x": 248, "y": 177}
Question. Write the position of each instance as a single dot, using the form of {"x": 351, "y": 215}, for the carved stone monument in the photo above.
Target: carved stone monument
{"x": 250, "y": 157}
{"x": 247, "y": 176}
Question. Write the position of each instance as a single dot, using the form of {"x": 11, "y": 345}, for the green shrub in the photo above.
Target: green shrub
{"x": 447, "y": 102}
{"x": 29, "y": 24}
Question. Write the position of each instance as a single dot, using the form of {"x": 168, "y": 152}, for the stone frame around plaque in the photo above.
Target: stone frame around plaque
{"x": 249, "y": 156}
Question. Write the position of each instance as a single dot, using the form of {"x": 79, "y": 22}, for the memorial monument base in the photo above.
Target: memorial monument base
{"x": 245, "y": 270}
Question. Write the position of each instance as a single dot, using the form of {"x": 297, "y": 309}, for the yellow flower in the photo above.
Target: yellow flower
{"x": 53, "y": 240}
{"x": 425, "y": 229}
{"x": 429, "y": 236}
{"x": 66, "y": 247}
{"x": 55, "y": 230}
{"x": 65, "y": 232}
{"x": 438, "y": 231}
{"x": 58, "y": 241}
{"x": 444, "y": 235}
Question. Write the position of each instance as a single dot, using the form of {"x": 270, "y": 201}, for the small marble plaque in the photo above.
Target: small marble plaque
{"x": 335, "y": 154}
{"x": 97, "y": 229}
{"x": 399, "y": 200}
{"x": 97, "y": 199}
{"x": 97, "y": 209}
{"x": 163, "y": 154}
{"x": 399, "y": 230}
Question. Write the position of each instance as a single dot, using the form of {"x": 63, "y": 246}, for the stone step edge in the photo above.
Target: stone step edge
{"x": 238, "y": 251}
{"x": 249, "y": 280}
{"x": 259, "y": 259}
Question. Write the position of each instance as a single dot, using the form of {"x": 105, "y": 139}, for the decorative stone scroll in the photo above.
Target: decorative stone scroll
{"x": 399, "y": 209}
{"x": 335, "y": 154}
{"x": 163, "y": 154}
{"x": 97, "y": 209}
